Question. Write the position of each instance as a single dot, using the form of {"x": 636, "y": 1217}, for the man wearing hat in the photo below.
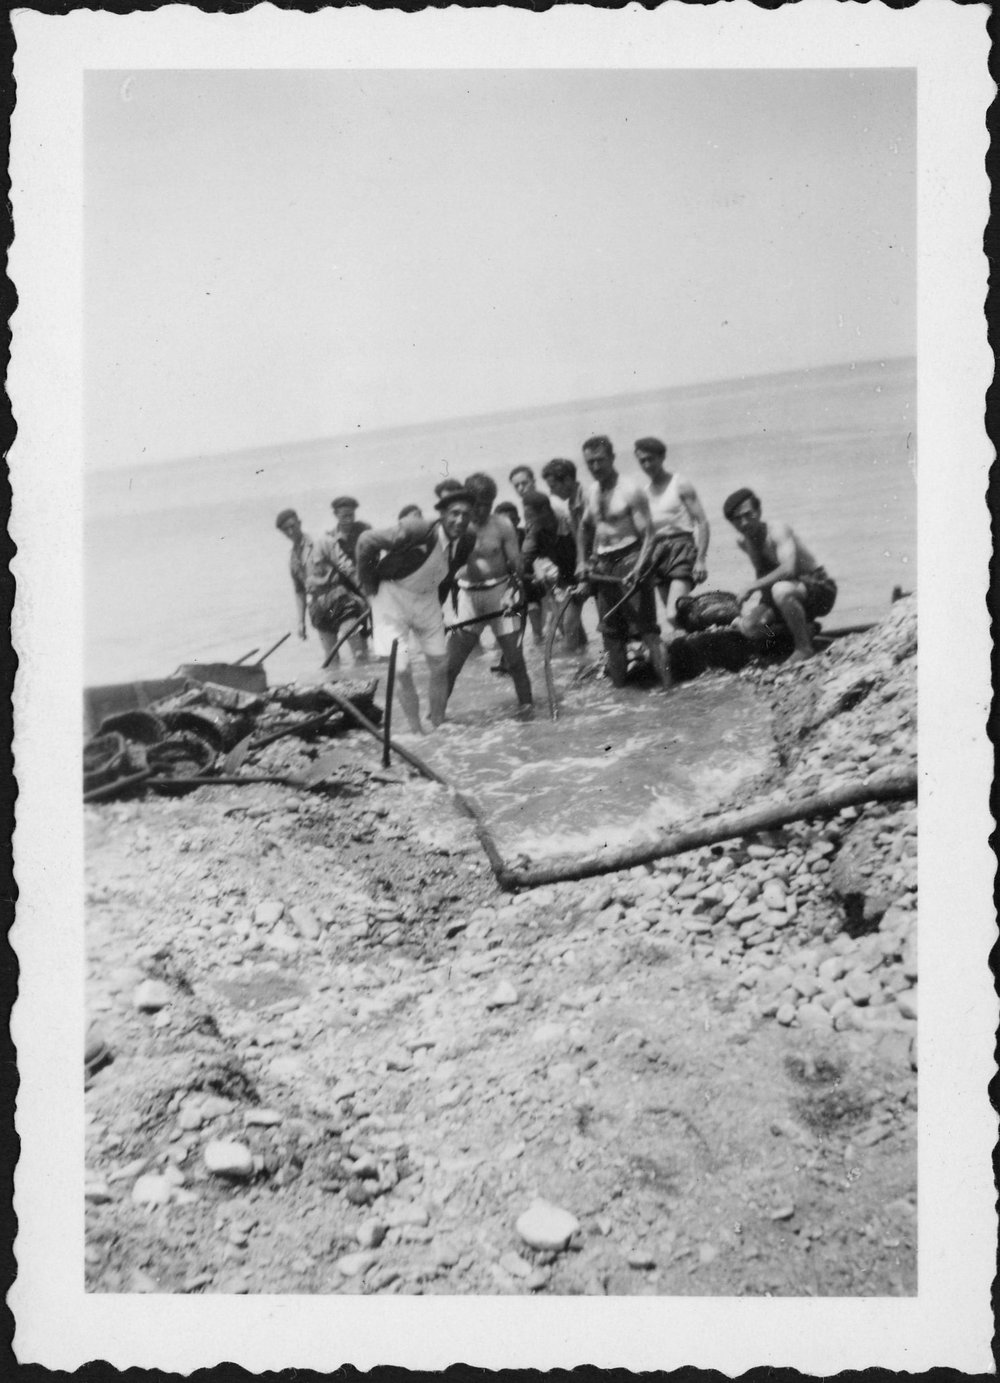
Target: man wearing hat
{"x": 348, "y": 530}
{"x": 324, "y": 582}
{"x": 407, "y": 572}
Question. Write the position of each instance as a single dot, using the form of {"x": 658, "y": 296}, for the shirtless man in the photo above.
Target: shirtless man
{"x": 489, "y": 590}
{"x": 791, "y": 585}
{"x": 615, "y": 538}
{"x": 407, "y": 571}
{"x": 522, "y": 478}
{"x": 680, "y": 528}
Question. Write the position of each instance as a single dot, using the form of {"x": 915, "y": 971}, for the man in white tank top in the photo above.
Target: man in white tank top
{"x": 680, "y": 528}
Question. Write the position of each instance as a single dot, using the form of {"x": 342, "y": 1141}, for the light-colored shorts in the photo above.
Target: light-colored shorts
{"x": 407, "y": 616}
{"x": 473, "y": 603}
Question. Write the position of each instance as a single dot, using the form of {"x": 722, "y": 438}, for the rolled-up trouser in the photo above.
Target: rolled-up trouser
{"x": 636, "y": 617}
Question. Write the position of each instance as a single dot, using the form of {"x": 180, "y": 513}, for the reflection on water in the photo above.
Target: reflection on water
{"x": 616, "y": 768}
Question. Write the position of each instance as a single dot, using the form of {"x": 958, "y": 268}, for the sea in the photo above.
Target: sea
{"x": 183, "y": 563}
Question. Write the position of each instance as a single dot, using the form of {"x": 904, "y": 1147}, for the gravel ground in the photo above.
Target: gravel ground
{"x": 342, "y": 1061}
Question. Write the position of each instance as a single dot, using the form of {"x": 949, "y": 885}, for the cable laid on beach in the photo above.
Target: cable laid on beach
{"x": 890, "y": 787}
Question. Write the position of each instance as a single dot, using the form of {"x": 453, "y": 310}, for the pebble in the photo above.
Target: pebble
{"x": 354, "y": 1264}
{"x": 371, "y": 1233}
{"x": 225, "y": 1158}
{"x": 640, "y": 1258}
{"x": 514, "y": 1264}
{"x": 269, "y": 912}
{"x": 284, "y": 943}
{"x": 504, "y": 994}
{"x": 707, "y": 1253}
{"x": 152, "y": 1190}
{"x": 263, "y": 1118}
{"x": 446, "y": 1254}
{"x": 97, "y": 1191}
{"x": 859, "y": 986}
{"x": 413, "y": 1214}
{"x": 152, "y": 995}
{"x": 546, "y": 1226}
{"x": 305, "y": 922}
{"x": 906, "y": 1002}
{"x": 785, "y": 1015}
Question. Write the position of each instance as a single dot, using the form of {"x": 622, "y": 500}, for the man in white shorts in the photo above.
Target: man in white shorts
{"x": 407, "y": 572}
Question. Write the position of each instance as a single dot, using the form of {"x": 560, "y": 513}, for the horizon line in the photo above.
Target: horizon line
{"x": 532, "y": 410}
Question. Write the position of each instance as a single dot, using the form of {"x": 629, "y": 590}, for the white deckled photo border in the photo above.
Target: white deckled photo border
{"x": 949, "y": 1322}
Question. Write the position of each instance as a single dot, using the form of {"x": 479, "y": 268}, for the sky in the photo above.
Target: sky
{"x": 274, "y": 256}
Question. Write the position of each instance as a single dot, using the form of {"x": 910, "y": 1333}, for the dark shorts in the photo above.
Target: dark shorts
{"x": 674, "y": 558}
{"x": 637, "y": 617}
{"x": 820, "y": 593}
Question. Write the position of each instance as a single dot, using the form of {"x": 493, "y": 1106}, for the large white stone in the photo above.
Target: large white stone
{"x": 152, "y": 995}
{"x": 546, "y": 1226}
{"x": 228, "y": 1159}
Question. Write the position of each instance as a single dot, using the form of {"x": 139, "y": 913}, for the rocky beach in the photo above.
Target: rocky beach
{"x": 330, "y": 1054}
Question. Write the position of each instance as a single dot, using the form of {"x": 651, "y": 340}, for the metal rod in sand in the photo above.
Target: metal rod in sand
{"x": 390, "y": 687}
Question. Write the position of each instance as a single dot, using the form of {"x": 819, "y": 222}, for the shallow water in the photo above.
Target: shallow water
{"x": 617, "y": 767}
{"x": 183, "y": 563}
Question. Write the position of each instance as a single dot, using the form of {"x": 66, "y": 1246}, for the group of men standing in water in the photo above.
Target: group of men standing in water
{"x": 438, "y": 582}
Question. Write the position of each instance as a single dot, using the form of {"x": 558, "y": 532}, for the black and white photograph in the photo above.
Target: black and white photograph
{"x": 480, "y": 528}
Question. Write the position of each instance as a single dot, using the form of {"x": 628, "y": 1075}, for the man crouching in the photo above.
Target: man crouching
{"x": 791, "y": 586}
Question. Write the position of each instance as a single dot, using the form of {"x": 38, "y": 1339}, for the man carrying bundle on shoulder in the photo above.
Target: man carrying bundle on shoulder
{"x": 680, "y": 528}
{"x": 791, "y": 587}
{"x": 616, "y": 535}
{"x": 325, "y": 584}
{"x": 490, "y": 592}
{"x": 408, "y": 571}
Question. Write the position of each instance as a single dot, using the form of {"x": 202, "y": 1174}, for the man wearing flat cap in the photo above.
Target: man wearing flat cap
{"x": 407, "y": 572}
{"x": 348, "y": 530}
{"x": 325, "y": 584}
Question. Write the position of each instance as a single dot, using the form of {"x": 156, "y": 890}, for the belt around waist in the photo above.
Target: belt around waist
{"x": 612, "y": 552}
{"x": 482, "y": 585}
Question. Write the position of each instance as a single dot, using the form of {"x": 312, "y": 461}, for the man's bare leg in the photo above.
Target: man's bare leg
{"x": 670, "y": 594}
{"x": 616, "y": 652}
{"x": 513, "y": 659}
{"x": 572, "y": 626}
{"x": 460, "y": 645}
{"x": 437, "y": 690}
{"x": 788, "y": 601}
{"x": 328, "y": 639}
{"x": 658, "y": 657}
{"x": 406, "y": 690}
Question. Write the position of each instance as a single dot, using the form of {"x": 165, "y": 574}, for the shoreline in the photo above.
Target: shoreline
{"x": 708, "y": 1062}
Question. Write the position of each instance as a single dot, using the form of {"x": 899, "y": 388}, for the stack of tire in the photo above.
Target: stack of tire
{"x": 137, "y": 749}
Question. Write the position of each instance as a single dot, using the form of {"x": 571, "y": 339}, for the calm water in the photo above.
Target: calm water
{"x": 183, "y": 563}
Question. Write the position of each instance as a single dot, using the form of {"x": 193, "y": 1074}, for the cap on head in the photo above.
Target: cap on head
{"x": 286, "y": 516}
{"x": 737, "y": 498}
{"x": 409, "y": 509}
{"x": 443, "y": 486}
{"x": 343, "y": 502}
{"x": 651, "y": 446}
{"x": 456, "y": 496}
